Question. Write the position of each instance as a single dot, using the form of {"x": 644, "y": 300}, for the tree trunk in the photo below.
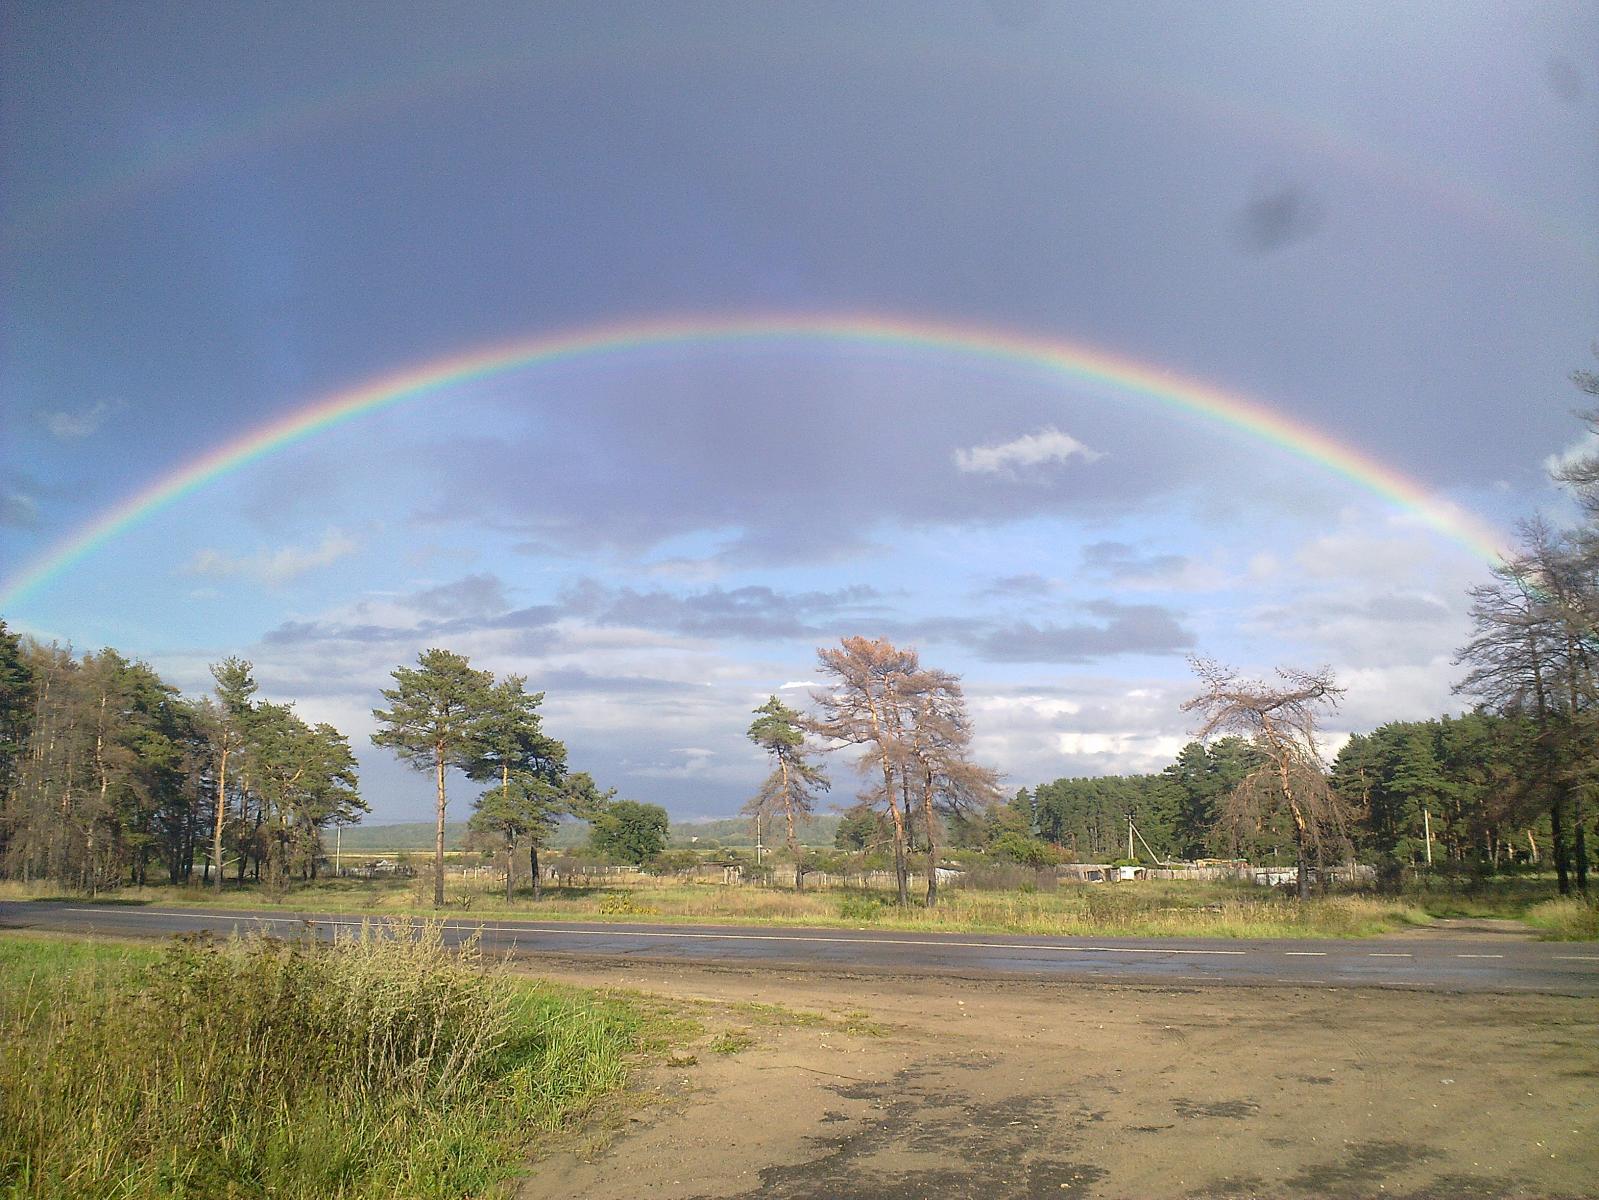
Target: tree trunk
{"x": 1557, "y": 835}
{"x": 1579, "y": 838}
{"x": 533, "y": 862}
{"x": 793, "y": 839}
{"x": 932, "y": 842}
{"x": 1303, "y": 888}
{"x": 510, "y": 868}
{"x": 222, "y": 812}
{"x": 438, "y": 833}
{"x": 901, "y": 867}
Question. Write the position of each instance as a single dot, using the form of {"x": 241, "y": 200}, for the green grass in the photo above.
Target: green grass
{"x": 388, "y": 1065}
{"x": 732, "y": 1041}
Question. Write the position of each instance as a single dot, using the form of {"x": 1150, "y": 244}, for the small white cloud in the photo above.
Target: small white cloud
{"x": 272, "y": 567}
{"x": 1585, "y": 446}
{"x": 800, "y": 683}
{"x": 18, "y": 511}
{"x": 1030, "y": 450}
{"x": 70, "y": 426}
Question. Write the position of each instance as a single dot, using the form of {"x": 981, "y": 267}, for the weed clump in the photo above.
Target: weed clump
{"x": 620, "y": 904}
{"x": 862, "y": 908}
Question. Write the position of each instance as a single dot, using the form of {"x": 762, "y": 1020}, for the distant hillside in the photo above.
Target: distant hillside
{"x": 417, "y": 836}
{"x": 740, "y": 831}
{"x": 413, "y": 835}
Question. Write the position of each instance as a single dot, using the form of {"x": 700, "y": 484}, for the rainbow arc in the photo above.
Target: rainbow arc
{"x": 1073, "y": 363}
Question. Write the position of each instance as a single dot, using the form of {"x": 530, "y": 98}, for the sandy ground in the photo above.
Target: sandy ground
{"x": 896, "y": 1089}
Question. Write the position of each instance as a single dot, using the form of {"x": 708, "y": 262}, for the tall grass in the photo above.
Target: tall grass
{"x": 386, "y": 1065}
{"x": 1567, "y": 919}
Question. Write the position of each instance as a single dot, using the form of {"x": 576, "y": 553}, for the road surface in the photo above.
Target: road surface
{"x": 1417, "y": 960}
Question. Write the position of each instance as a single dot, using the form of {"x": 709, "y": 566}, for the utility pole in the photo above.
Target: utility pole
{"x": 757, "y": 839}
{"x": 338, "y": 847}
{"x": 1130, "y": 853}
{"x": 1426, "y": 824}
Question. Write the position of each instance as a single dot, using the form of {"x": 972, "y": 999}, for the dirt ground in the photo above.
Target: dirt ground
{"x": 897, "y": 1089}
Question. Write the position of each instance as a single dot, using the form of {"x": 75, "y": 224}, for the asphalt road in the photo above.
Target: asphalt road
{"x": 1411, "y": 960}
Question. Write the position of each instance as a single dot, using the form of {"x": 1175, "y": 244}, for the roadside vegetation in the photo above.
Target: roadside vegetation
{"x": 1143, "y": 908}
{"x": 388, "y": 1064}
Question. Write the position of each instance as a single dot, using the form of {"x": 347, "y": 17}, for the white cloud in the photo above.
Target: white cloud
{"x": 1585, "y": 446}
{"x": 272, "y": 567}
{"x": 1048, "y": 445}
{"x": 70, "y": 426}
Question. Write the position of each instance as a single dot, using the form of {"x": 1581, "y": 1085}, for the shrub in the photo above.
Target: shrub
{"x": 670, "y": 862}
{"x": 620, "y": 904}
{"x": 861, "y": 908}
{"x": 1026, "y": 851}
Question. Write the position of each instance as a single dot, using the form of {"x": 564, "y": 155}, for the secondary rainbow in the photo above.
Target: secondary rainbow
{"x": 1079, "y": 364}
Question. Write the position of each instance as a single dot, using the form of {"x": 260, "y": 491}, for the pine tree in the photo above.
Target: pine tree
{"x": 431, "y": 723}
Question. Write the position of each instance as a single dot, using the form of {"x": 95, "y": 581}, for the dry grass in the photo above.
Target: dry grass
{"x": 1142, "y": 908}
{"x": 1566, "y": 920}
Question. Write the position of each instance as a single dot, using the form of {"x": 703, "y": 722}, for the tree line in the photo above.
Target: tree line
{"x": 109, "y": 775}
{"x": 1512, "y": 780}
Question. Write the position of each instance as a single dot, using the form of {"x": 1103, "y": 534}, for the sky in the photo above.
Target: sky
{"x": 1373, "y": 229}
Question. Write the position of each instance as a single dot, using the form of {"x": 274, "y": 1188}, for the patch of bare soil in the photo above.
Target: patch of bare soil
{"x": 1014, "y": 1091}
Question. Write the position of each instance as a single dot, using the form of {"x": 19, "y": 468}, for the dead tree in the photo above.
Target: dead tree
{"x": 868, "y": 707}
{"x": 1280, "y": 719}
{"x": 938, "y": 761}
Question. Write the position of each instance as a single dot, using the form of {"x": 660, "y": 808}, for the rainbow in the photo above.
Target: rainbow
{"x": 1073, "y": 362}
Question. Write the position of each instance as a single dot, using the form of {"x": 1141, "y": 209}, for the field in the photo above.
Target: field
{"x": 1155, "y": 908}
{"x": 385, "y": 1066}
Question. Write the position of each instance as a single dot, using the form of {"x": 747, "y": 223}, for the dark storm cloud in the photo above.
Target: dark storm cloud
{"x": 1121, "y": 629}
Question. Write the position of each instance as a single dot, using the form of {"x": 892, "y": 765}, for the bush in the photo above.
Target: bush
{"x": 620, "y": 904}
{"x": 1026, "y": 851}
{"x": 670, "y": 862}
{"x": 861, "y": 908}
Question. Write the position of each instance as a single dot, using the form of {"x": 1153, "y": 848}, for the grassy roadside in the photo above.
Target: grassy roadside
{"x": 384, "y": 1066}
{"x": 1152, "y": 908}
{"x": 1565, "y": 920}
